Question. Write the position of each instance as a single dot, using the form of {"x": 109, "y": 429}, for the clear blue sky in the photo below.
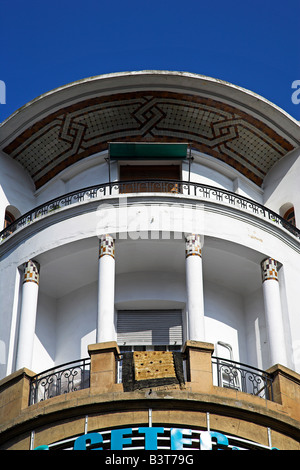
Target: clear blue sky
{"x": 45, "y": 44}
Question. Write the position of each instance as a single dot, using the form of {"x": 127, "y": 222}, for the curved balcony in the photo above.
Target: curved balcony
{"x": 242, "y": 377}
{"x": 74, "y": 376}
{"x": 56, "y": 381}
{"x": 99, "y": 395}
{"x": 180, "y": 189}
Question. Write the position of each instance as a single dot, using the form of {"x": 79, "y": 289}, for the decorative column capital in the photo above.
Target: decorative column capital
{"x": 269, "y": 269}
{"x": 107, "y": 246}
{"x": 31, "y": 272}
{"x": 193, "y": 245}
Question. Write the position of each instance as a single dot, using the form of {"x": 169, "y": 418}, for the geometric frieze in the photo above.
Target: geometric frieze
{"x": 31, "y": 272}
{"x": 106, "y": 246}
{"x": 193, "y": 246}
{"x": 210, "y": 126}
{"x": 269, "y": 269}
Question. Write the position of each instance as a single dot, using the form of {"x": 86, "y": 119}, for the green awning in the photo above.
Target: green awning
{"x": 147, "y": 151}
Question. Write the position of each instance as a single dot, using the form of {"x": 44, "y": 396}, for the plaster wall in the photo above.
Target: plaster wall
{"x": 76, "y": 323}
{"x": 281, "y": 185}
{"x": 88, "y": 172}
{"x": 225, "y": 320}
{"x": 201, "y": 173}
{"x": 16, "y": 187}
{"x": 45, "y": 341}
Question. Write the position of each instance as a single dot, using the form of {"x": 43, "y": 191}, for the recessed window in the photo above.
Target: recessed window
{"x": 9, "y": 219}
{"x": 149, "y": 328}
{"x": 145, "y": 166}
{"x": 150, "y": 178}
{"x": 290, "y": 216}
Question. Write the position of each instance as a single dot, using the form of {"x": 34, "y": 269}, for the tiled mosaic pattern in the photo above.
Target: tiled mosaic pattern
{"x": 107, "y": 246}
{"x": 213, "y": 127}
{"x": 269, "y": 269}
{"x": 31, "y": 272}
{"x": 193, "y": 246}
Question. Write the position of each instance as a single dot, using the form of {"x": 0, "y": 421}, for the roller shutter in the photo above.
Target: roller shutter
{"x": 149, "y": 327}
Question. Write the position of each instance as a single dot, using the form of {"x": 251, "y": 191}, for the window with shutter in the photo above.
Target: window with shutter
{"x": 149, "y": 327}
{"x": 136, "y": 177}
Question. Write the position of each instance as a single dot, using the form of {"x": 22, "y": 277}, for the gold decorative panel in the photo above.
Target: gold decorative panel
{"x": 153, "y": 365}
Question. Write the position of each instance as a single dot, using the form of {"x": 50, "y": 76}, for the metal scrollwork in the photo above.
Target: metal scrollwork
{"x": 193, "y": 189}
{"x": 67, "y": 378}
{"x": 241, "y": 377}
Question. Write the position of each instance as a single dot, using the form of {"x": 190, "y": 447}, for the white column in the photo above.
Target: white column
{"x": 273, "y": 312}
{"x": 106, "y": 290}
{"x": 29, "y": 300}
{"x": 194, "y": 286}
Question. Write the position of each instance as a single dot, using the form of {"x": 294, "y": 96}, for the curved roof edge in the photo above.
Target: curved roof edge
{"x": 74, "y": 121}
{"x": 199, "y": 84}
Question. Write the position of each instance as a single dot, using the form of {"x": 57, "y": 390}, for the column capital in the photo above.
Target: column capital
{"x": 31, "y": 272}
{"x": 269, "y": 269}
{"x": 193, "y": 245}
{"x": 106, "y": 246}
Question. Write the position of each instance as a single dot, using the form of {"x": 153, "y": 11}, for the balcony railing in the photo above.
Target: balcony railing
{"x": 75, "y": 376}
{"x": 196, "y": 190}
{"x": 241, "y": 377}
{"x": 66, "y": 378}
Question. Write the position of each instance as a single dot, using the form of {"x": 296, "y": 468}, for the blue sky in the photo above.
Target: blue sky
{"x": 46, "y": 44}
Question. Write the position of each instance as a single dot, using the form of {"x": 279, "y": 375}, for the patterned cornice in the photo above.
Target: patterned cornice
{"x": 210, "y": 126}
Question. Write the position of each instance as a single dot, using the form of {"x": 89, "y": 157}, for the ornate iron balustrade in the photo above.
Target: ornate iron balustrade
{"x": 241, "y": 377}
{"x": 66, "y": 378}
{"x": 197, "y": 190}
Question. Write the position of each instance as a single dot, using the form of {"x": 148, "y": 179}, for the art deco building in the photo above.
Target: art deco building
{"x": 149, "y": 266}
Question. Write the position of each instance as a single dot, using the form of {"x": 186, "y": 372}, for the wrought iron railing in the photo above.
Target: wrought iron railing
{"x": 75, "y": 375}
{"x": 66, "y": 378}
{"x": 200, "y": 191}
{"x": 241, "y": 377}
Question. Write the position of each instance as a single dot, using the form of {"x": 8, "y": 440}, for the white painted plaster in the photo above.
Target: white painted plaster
{"x": 16, "y": 187}
{"x": 282, "y": 183}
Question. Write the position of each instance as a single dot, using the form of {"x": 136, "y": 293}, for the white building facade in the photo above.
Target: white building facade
{"x": 149, "y": 209}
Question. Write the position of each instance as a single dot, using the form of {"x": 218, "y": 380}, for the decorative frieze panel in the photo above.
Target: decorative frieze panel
{"x": 31, "y": 272}
{"x": 210, "y": 126}
{"x": 269, "y": 269}
{"x": 107, "y": 246}
{"x": 193, "y": 246}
